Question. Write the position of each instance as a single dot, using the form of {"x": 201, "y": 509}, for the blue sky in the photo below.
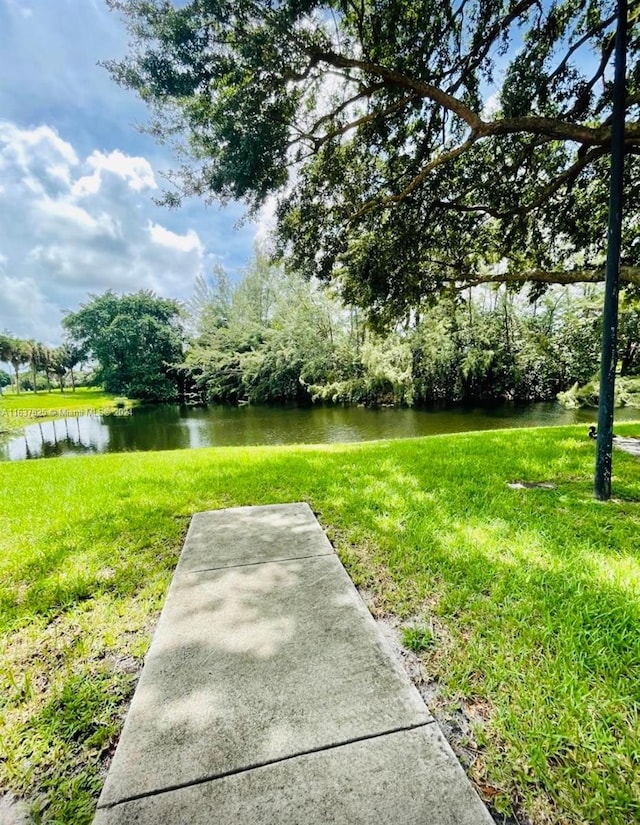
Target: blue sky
{"x": 77, "y": 179}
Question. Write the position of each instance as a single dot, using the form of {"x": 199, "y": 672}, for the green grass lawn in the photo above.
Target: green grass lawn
{"x": 524, "y": 604}
{"x": 20, "y": 409}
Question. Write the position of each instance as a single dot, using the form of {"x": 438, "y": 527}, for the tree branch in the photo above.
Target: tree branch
{"x": 542, "y": 126}
{"x": 347, "y": 127}
{"x": 445, "y": 157}
{"x": 399, "y": 79}
{"x": 628, "y": 275}
{"x": 473, "y": 59}
{"x": 366, "y": 92}
{"x": 555, "y": 129}
{"x": 568, "y": 176}
{"x": 603, "y": 24}
{"x": 583, "y": 100}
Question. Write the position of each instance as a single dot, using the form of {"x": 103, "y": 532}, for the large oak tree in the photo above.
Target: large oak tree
{"x": 136, "y": 340}
{"x": 413, "y": 145}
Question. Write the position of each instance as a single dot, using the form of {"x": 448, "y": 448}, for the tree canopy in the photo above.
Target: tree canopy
{"x": 136, "y": 340}
{"x": 412, "y": 145}
{"x": 276, "y": 336}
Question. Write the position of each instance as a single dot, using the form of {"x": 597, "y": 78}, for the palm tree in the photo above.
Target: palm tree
{"x": 5, "y": 355}
{"x": 58, "y": 366}
{"x": 5, "y": 348}
{"x": 71, "y": 355}
{"x": 47, "y": 365}
{"x": 36, "y": 357}
{"x": 18, "y": 356}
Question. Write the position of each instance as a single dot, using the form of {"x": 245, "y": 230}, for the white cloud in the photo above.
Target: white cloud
{"x": 491, "y": 105}
{"x": 165, "y": 237}
{"x": 86, "y": 185}
{"x": 71, "y": 226}
{"x": 67, "y": 136}
{"x": 266, "y": 220}
{"x": 62, "y": 212}
{"x": 59, "y": 170}
{"x": 23, "y": 298}
{"x": 22, "y": 144}
{"x": 136, "y": 171}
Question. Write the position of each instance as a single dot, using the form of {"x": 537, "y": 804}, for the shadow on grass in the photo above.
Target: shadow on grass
{"x": 116, "y": 556}
{"x": 539, "y": 593}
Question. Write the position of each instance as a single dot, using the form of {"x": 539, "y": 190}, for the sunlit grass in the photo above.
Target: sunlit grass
{"x": 19, "y": 409}
{"x": 54, "y": 400}
{"x": 525, "y": 603}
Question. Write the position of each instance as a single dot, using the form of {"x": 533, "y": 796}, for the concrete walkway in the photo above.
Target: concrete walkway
{"x": 269, "y": 696}
{"x": 629, "y": 445}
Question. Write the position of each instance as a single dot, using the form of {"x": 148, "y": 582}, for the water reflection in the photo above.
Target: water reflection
{"x": 177, "y": 428}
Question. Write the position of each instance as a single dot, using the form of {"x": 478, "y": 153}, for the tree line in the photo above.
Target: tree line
{"x": 133, "y": 344}
{"x": 44, "y": 363}
{"x": 276, "y": 336}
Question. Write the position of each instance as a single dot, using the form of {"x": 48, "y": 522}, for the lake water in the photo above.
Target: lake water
{"x": 179, "y": 428}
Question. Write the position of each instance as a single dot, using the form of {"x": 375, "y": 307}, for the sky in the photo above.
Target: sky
{"x": 78, "y": 179}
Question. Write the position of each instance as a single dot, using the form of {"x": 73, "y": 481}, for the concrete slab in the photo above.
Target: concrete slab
{"x": 253, "y": 664}
{"x": 251, "y": 535}
{"x": 401, "y": 778}
{"x": 629, "y": 445}
{"x": 269, "y": 695}
{"x": 13, "y": 811}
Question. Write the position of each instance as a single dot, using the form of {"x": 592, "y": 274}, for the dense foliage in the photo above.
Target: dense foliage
{"x": 136, "y": 340}
{"x": 276, "y": 336}
{"x": 413, "y": 145}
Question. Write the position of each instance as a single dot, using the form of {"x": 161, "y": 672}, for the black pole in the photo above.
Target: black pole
{"x": 602, "y": 484}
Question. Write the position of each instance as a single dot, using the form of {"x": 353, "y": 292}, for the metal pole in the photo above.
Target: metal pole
{"x": 602, "y": 484}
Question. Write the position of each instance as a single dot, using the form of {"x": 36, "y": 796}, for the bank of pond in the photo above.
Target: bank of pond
{"x": 173, "y": 427}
